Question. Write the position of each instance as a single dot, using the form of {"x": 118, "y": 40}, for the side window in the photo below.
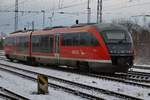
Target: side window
{"x": 10, "y": 41}
{"x": 79, "y": 39}
{"x": 22, "y": 43}
{"x": 35, "y": 43}
{"x": 85, "y": 39}
{"x": 93, "y": 41}
{"x": 6, "y": 42}
{"x": 51, "y": 43}
{"x": 76, "y": 39}
{"x": 42, "y": 43}
{"x": 70, "y": 39}
{"x": 66, "y": 39}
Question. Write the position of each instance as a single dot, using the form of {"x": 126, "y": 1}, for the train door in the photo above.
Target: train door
{"x": 57, "y": 47}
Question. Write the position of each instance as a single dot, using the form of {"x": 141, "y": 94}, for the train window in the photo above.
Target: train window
{"x": 42, "y": 43}
{"x": 116, "y": 36}
{"x": 35, "y": 43}
{"x": 70, "y": 39}
{"x": 51, "y": 43}
{"x": 10, "y": 41}
{"x": 85, "y": 39}
{"x": 22, "y": 43}
{"x": 76, "y": 39}
{"x": 79, "y": 39}
{"x": 66, "y": 39}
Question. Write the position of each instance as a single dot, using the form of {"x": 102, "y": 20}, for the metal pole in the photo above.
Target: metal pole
{"x": 97, "y": 11}
{"x": 43, "y": 18}
{"x": 50, "y": 18}
{"x": 89, "y": 12}
{"x": 32, "y": 25}
{"x": 16, "y": 15}
{"x": 101, "y": 11}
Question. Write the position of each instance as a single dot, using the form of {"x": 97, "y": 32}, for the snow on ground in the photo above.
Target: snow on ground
{"x": 104, "y": 84}
{"x": 140, "y": 70}
{"x": 1, "y": 98}
{"x": 142, "y": 65}
{"x": 27, "y": 88}
{"x": 2, "y": 52}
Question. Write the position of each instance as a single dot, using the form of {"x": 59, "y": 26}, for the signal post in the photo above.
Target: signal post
{"x": 42, "y": 84}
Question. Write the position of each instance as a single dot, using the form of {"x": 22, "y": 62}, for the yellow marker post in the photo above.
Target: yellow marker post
{"x": 42, "y": 84}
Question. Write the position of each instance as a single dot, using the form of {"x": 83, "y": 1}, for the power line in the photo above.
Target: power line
{"x": 73, "y": 5}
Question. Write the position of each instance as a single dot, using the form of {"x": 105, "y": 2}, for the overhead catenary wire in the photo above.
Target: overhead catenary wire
{"x": 75, "y": 4}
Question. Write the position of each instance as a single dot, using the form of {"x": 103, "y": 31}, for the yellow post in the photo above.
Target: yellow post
{"x": 42, "y": 84}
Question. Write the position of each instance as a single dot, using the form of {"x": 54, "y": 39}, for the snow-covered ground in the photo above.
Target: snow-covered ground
{"x": 27, "y": 88}
{"x": 104, "y": 84}
{"x": 141, "y": 70}
{"x": 142, "y": 65}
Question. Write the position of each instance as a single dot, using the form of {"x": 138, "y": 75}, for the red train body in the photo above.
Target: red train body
{"x": 82, "y": 46}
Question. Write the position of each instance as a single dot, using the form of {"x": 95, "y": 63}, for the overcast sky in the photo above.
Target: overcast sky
{"x": 75, "y": 9}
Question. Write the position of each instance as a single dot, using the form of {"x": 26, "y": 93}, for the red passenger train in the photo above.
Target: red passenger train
{"x": 97, "y": 47}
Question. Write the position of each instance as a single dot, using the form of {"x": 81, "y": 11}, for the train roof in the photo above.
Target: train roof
{"x": 109, "y": 26}
{"x": 100, "y": 27}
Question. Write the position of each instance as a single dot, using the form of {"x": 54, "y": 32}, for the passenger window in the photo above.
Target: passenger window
{"x": 85, "y": 39}
{"x": 22, "y": 43}
{"x": 42, "y": 43}
{"x": 51, "y": 43}
{"x": 79, "y": 39}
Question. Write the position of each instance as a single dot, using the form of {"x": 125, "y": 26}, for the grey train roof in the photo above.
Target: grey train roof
{"x": 110, "y": 26}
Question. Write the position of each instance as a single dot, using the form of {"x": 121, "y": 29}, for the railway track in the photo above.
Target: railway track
{"x": 121, "y": 78}
{"x": 141, "y": 76}
{"x": 77, "y": 88}
{"x": 132, "y": 78}
{"x": 9, "y": 95}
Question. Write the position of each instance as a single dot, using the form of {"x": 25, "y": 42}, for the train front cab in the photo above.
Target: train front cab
{"x": 120, "y": 47}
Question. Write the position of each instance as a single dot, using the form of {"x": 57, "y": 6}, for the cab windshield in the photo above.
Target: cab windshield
{"x": 115, "y": 36}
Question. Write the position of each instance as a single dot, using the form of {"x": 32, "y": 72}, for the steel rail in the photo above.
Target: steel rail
{"x": 5, "y": 93}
